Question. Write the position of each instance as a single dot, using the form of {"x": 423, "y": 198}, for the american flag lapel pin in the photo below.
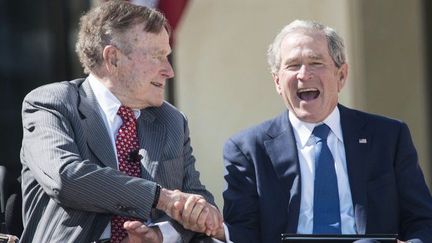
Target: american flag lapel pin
{"x": 362, "y": 140}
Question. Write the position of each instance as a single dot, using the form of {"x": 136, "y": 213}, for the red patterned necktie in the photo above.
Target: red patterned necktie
{"x": 127, "y": 146}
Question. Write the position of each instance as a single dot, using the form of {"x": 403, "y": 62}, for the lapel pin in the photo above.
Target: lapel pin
{"x": 362, "y": 140}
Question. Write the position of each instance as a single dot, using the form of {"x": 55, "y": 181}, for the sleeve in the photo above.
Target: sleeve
{"x": 241, "y": 206}
{"x": 170, "y": 235}
{"x": 51, "y": 154}
{"x": 202, "y": 238}
{"x": 414, "y": 197}
{"x": 191, "y": 182}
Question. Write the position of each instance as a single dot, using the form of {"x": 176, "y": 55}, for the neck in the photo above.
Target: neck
{"x": 125, "y": 100}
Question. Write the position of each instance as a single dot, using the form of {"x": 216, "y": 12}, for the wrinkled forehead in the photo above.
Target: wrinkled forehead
{"x": 304, "y": 35}
{"x": 299, "y": 40}
{"x": 140, "y": 38}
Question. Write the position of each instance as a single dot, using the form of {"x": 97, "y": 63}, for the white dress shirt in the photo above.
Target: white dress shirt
{"x": 305, "y": 147}
{"x": 108, "y": 106}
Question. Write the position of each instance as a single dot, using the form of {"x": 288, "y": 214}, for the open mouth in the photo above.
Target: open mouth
{"x": 159, "y": 85}
{"x": 308, "y": 94}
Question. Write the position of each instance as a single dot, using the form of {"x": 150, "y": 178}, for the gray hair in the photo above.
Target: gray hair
{"x": 335, "y": 42}
{"x": 107, "y": 24}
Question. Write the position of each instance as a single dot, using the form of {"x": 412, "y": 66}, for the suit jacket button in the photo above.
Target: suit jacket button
{"x": 121, "y": 208}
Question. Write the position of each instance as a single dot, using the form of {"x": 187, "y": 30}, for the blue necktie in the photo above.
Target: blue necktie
{"x": 326, "y": 210}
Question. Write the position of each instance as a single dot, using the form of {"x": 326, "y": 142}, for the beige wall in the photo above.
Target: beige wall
{"x": 223, "y": 83}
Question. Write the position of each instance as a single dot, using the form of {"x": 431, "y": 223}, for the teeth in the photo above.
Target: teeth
{"x": 308, "y": 94}
{"x": 307, "y": 90}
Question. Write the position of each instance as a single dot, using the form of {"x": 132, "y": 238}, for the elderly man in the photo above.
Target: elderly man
{"x": 100, "y": 151}
{"x": 320, "y": 167}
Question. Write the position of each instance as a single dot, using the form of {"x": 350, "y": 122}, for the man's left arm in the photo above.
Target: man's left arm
{"x": 186, "y": 227}
{"x": 192, "y": 184}
{"x": 414, "y": 197}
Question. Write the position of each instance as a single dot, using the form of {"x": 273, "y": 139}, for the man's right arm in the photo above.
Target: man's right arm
{"x": 56, "y": 155}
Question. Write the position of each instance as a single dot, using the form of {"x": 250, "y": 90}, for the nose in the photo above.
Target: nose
{"x": 168, "y": 71}
{"x": 304, "y": 73}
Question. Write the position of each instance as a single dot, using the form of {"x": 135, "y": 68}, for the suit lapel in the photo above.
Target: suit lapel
{"x": 152, "y": 135}
{"x": 357, "y": 146}
{"x": 150, "y": 132}
{"x": 282, "y": 150}
{"x": 98, "y": 138}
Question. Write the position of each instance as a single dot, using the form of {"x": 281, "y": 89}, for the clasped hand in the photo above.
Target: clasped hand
{"x": 193, "y": 212}
{"x": 190, "y": 210}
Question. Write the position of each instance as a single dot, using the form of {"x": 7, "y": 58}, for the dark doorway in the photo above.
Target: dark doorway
{"x": 37, "y": 43}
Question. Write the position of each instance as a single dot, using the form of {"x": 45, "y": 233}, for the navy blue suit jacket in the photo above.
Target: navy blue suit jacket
{"x": 263, "y": 189}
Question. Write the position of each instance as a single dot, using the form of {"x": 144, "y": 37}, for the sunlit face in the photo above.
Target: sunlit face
{"x": 142, "y": 74}
{"x": 308, "y": 79}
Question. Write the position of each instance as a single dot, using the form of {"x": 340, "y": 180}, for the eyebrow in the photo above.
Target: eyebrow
{"x": 296, "y": 59}
{"x": 160, "y": 52}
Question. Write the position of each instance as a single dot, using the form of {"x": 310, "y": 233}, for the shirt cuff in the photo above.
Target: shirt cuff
{"x": 227, "y": 238}
{"x": 170, "y": 235}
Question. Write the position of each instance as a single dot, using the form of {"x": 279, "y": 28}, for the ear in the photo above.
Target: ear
{"x": 110, "y": 58}
{"x": 342, "y": 76}
{"x": 276, "y": 81}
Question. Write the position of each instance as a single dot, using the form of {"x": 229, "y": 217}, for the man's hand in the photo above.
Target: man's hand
{"x": 191, "y": 210}
{"x": 220, "y": 234}
{"x": 8, "y": 238}
{"x": 140, "y": 233}
{"x": 172, "y": 202}
{"x": 200, "y": 216}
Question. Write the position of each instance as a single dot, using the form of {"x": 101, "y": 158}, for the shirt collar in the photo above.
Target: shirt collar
{"x": 303, "y": 130}
{"x": 107, "y": 100}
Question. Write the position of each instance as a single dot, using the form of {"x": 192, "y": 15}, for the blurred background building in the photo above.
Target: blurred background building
{"x": 222, "y": 81}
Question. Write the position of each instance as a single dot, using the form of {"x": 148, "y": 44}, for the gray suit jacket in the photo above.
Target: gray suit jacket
{"x": 70, "y": 182}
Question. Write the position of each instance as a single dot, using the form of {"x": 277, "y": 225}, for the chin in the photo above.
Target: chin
{"x": 158, "y": 103}
{"x": 308, "y": 116}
